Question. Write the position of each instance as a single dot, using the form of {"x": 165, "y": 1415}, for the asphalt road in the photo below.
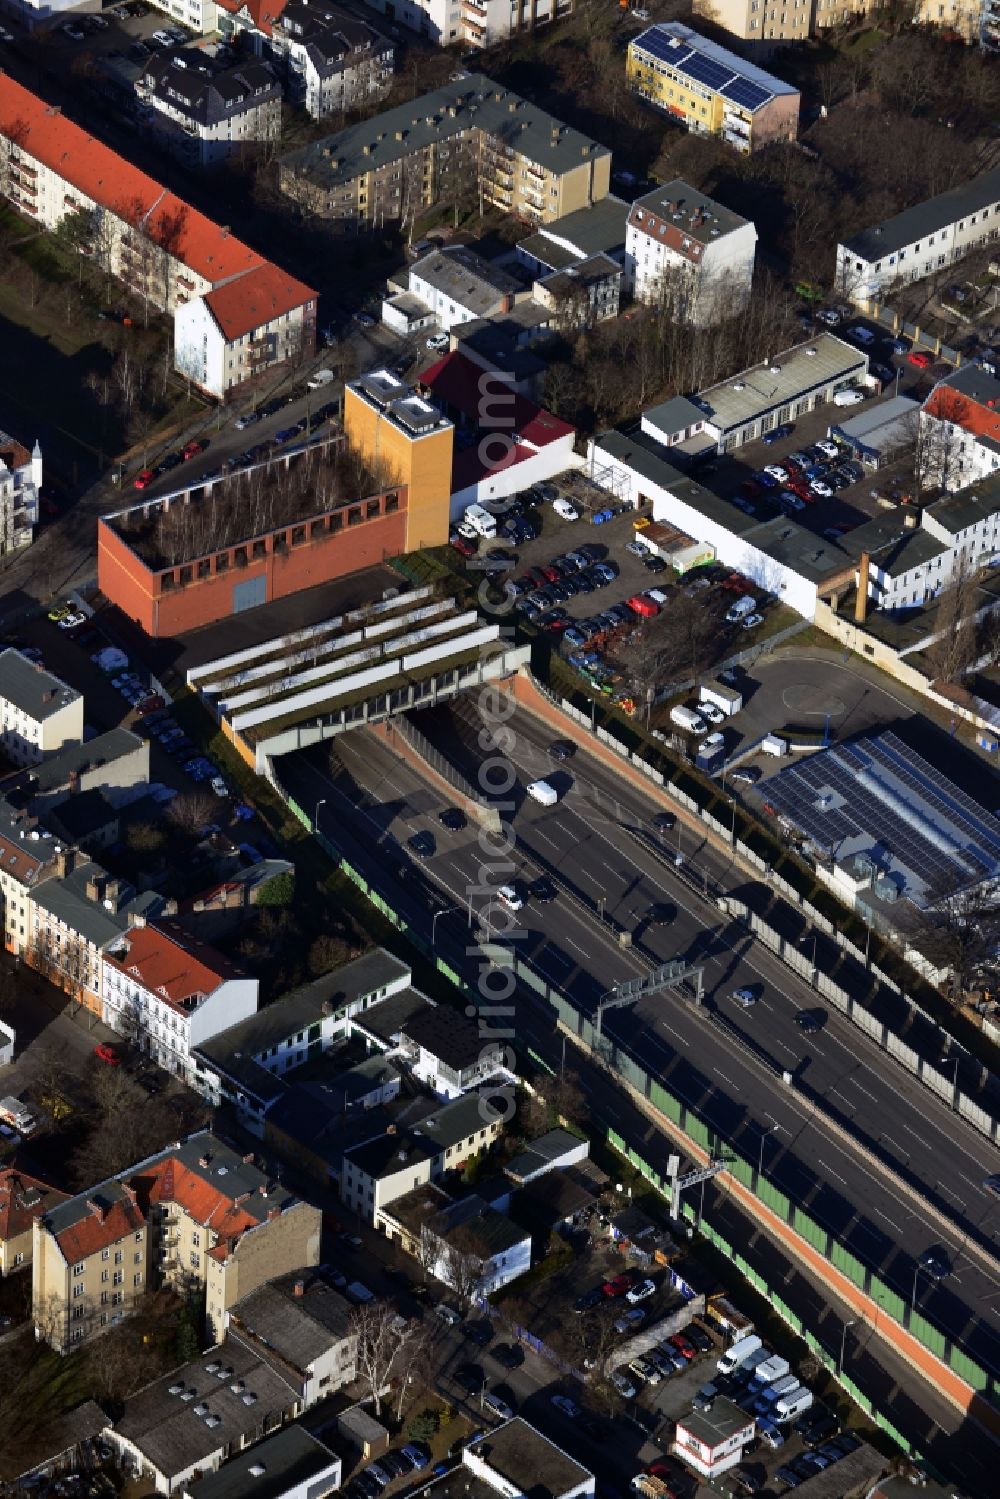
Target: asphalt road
{"x": 716, "y": 1057}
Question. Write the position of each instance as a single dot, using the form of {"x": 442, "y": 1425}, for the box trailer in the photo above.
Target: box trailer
{"x": 728, "y": 699}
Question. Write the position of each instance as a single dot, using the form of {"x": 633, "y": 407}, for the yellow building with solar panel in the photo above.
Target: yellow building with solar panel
{"x": 707, "y": 89}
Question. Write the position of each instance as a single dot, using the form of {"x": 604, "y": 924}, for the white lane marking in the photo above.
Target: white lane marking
{"x": 725, "y": 1079}
{"x": 830, "y": 1170}
{"x": 576, "y": 947}
{"x": 889, "y": 1220}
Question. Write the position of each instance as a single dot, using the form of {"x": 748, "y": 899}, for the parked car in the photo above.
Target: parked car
{"x": 921, "y": 359}
{"x": 777, "y": 434}
{"x": 564, "y": 1404}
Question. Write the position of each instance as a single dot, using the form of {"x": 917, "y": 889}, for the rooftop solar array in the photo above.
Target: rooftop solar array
{"x": 877, "y": 797}
{"x": 695, "y": 57}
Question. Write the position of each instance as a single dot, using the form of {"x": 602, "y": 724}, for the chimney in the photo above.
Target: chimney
{"x": 861, "y": 602}
{"x": 96, "y": 1208}
{"x": 248, "y": 1158}
{"x": 113, "y": 895}
{"x": 390, "y": 1129}
{"x": 910, "y": 520}
{"x": 273, "y": 1213}
{"x": 299, "y": 1288}
{"x": 94, "y": 886}
{"x": 64, "y": 865}
{"x": 130, "y": 1193}
{"x": 203, "y": 1161}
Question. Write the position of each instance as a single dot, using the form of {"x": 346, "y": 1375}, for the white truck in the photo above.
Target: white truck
{"x": 727, "y": 699}
{"x": 481, "y": 521}
{"x": 736, "y": 1356}
{"x": 319, "y": 379}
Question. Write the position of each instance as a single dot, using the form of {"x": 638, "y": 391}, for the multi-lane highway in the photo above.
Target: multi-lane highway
{"x": 719, "y": 1058}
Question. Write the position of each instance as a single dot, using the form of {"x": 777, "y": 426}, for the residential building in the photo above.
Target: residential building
{"x": 516, "y": 1459}
{"x": 333, "y": 60}
{"x": 73, "y": 915}
{"x": 115, "y": 763}
{"x": 8, "y": 1040}
{"x": 713, "y": 1441}
{"x": 381, "y": 1169}
{"x": 26, "y": 857}
{"x": 300, "y": 1319}
{"x": 471, "y": 139}
{"x": 293, "y": 1464}
{"x": 959, "y": 431}
{"x": 39, "y": 714}
{"x": 689, "y": 254}
{"x": 244, "y": 1064}
{"x": 475, "y": 23}
{"x": 168, "y": 992}
{"x": 710, "y": 90}
{"x": 769, "y": 24}
{"x": 599, "y": 229}
{"x": 459, "y": 286}
{"x": 236, "y": 314}
{"x": 448, "y": 1053}
{"x": 23, "y": 1198}
{"x": 20, "y": 486}
{"x": 556, "y": 1150}
{"x": 921, "y": 241}
{"x": 582, "y": 294}
{"x": 467, "y": 1245}
{"x": 206, "y": 114}
{"x": 86, "y": 821}
{"x": 196, "y": 1216}
{"x": 187, "y": 1424}
{"x": 197, "y": 15}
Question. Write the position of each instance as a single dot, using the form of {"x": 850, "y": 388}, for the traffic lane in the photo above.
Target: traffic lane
{"x": 566, "y": 842}
{"x": 603, "y": 814}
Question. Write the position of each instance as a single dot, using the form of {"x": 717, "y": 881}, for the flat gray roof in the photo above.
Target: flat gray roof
{"x": 35, "y": 691}
{"x": 452, "y": 1038}
{"x": 883, "y": 415}
{"x": 717, "y": 1425}
{"x": 650, "y": 459}
{"x": 290, "y": 1460}
{"x": 695, "y": 214}
{"x": 785, "y": 376}
{"x": 299, "y": 1328}
{"x": 675, "y": 415}
{"x": 960, "y": 511}
{"x": 528, "y": 1460}
{"x": 473, "y": 103}
{"x": 599, "y": 229}
{"x": 105, "y": 749}
{"x": 809, "y": 555}
{"x": 466, "y": 278}
{"x": 915, "y": 223}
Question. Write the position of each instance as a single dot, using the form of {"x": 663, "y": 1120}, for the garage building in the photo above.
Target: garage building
{"x": 783, "y": 387}
{"x": 877, "y": 434}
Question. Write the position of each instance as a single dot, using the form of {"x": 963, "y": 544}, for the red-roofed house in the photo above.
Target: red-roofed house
{"x": 23, "y": 1198}
{"x": 511, "y": 443}
{"x": 161, "y": 248}
{"x": 960, "y": 429}
{"x": 169, "y": 992}
{"x": 197, "y": 1216}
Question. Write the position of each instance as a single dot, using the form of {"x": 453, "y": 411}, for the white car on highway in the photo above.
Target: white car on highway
{"x": 510, "y": 897}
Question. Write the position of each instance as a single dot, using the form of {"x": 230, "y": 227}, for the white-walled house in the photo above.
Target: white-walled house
{"x": 689, "y": 253}
{"x": 168, "y": 992}
{"x": 333, "y": 60}
{"x": 39, "y": 714}
{"x": 509, "y": 1458}
{"x": 20, "y": 486}
{"x": 240, "y": 329}
{"x": 921, "y": 241}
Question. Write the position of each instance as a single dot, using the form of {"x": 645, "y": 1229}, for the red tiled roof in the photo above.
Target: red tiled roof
{"x": 14, "y": 453}
{"x": 263, "y": 13}
{"x": 971, "y": 415}
{"x": 43, "y": 132}
{"x": 253, "y": 300}
{"x": 102, "y": 1227}
{"x": 17, "y": 1214}
{"x": 171, "y": 964}
{"x": 200, "y": 1199}
{"x": 455, "y": 381}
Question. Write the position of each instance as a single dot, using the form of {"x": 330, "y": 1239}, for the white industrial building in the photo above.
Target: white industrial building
{"x": 689, "y": 255}
{"x": 920, "y": 241}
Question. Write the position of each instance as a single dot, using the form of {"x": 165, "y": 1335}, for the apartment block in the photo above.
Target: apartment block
{"x": 196, "y": 1217}
{"x": 762, "y": 21}
{"x": 20, "y": 487}
{"x": 332, "y": 59}
{"x": 206, "y": 114}
{"x": 39, "y": 714}
{"x": 921, "y": 241}
{"x": 689, "y": 254}
{"x": 168, "y": 993}
{"x": 115, "y": 763}
{"x": 390, "y": 425}
{"x": 23, "y": 1198}
{"x": 959, "y": 440}
{"x": 476, "y": 23}
{"x": 470, "y": 139}
{"x": 710, "y": 90}
{"x": 235, "y": 313}
{"x": 26, "y": 858}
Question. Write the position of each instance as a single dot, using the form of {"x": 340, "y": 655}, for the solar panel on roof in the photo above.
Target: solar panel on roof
{"x": 749, "y": 95}
{"x": 659, "y": 46}
{"x": 712, "y": 74}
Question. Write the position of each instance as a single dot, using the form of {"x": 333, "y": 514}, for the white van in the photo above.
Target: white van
{"x": 319, "y": 379}
{"x": 773, "y": 1367}
{"x": 792, "y": 1405}
{"x": 687, "y": 718}
{"x": 780, "y": 1388}
{"x": 481, "y": 521}
{"x": 744, "y": 605}
{"x": 736, "y": 1356}
{"x": 541, "y": 791}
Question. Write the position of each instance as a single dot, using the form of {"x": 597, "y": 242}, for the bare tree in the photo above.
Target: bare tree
{"x": 953, "y": 649}
{"x": 382, "y": 1345}
{"x": 192, "y": 811}
{"x": 457, "y": 1257}
{"x": 960, "y": 931}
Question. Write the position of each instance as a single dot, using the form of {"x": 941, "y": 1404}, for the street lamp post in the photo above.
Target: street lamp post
{"x": 760, "y": 1158}
{"x": 444, "y": 911}
{"x": 843, "y": 1340}
{"x": 601, "y": 902}
{"x": 913, "y": 1297}
{"x": 320, "y": 803}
